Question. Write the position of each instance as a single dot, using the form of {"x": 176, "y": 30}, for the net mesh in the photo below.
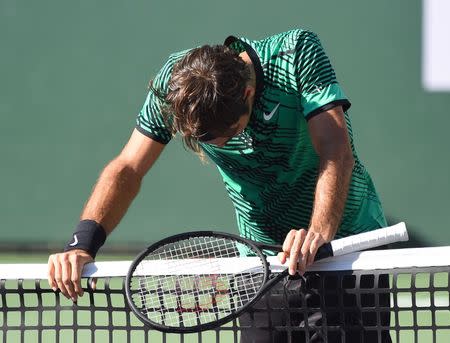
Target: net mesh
{"x": 410, "y": 304}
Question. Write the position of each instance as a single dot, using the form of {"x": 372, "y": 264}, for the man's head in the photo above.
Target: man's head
{"x": 210, "y": 95}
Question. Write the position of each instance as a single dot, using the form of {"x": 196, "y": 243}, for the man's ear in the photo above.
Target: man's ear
{"x": 249, "y": 92}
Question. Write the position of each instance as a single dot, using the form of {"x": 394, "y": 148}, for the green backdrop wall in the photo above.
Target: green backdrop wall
{"x": 73, "y": 76}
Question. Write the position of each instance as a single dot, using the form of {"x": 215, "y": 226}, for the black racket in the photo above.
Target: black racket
{"x": 196, "y": 281}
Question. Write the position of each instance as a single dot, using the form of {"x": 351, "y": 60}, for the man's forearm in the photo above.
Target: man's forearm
{"x": 331, "y": 195}
{"x": 113, "y": 193}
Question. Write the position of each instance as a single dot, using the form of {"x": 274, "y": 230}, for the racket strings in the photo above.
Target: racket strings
{"x": 196, "y": 281}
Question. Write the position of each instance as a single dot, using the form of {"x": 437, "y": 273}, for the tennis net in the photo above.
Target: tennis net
{"x": 403, "y": 293}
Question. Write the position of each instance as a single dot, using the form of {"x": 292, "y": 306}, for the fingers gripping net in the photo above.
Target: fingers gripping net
{"x": 196, "y": 281}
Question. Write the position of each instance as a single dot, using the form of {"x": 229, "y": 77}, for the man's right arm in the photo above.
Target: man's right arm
{"x": 117, "y": 186}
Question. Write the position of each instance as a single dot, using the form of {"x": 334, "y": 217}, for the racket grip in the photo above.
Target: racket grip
{"x": 370, "y": 239}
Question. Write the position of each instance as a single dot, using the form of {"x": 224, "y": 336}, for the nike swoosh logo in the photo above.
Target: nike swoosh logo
{"x": 268, "y": 116}
{"x": 75, "y": 241}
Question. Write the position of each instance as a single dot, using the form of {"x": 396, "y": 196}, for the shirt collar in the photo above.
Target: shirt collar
{"x": 240, "y": 46}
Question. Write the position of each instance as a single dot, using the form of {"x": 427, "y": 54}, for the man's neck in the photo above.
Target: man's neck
{"x": 246, "y": 58}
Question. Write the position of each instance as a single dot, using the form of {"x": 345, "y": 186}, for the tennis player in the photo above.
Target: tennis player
{"x": 272, "y": 116}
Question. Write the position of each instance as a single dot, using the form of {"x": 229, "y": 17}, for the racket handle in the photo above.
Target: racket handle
{"x": 371, "y": 239}
{"x": 358, "y": 242}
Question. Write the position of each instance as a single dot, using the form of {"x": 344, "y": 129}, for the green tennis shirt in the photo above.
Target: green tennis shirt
{"x": 270, "y": 170}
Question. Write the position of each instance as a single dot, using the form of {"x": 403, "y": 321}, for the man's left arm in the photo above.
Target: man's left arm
{"x": 330, "y": 138}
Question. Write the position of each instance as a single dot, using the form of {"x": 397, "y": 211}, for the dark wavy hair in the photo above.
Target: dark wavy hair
{"x": 206, "y": 94}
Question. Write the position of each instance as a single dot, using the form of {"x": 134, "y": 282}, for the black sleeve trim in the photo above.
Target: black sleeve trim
{"x": 343, "y": 102}
{"x": 152, "y": 136}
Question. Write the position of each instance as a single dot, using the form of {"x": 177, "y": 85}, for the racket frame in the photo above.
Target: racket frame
{"x": 256, "y": 248}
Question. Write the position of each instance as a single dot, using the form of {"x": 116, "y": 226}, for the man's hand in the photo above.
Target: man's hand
{"x": 64, "y": 272}
{"x": 300, "y": 247}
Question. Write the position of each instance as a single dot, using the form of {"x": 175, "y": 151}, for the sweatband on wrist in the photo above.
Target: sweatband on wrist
{"x": 89, "y": 236}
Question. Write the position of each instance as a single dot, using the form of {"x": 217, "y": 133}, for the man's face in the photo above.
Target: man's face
{"x": 221, "y": 139}
{"x": 233, "y": 131}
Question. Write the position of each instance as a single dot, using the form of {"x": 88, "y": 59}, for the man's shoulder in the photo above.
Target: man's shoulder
{"x": 279, "y": 44}
{"x": 173, "y": 59}
{"x": 176, "y": 56}
{"x": 162, "y": 77}
{"x": 287, "y": 38}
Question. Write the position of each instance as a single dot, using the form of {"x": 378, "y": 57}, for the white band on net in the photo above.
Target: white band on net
{"x": 365, "y": 260}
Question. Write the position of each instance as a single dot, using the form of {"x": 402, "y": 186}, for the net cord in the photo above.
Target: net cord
{"x": 365, "y": 260}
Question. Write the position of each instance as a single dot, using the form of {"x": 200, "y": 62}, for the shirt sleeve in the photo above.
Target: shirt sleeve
{"x": 150, "y": 121}
{"x": 316, "y": 79}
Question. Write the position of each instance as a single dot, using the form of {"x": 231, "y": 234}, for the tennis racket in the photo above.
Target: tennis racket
{"x": 200, "y": 280}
